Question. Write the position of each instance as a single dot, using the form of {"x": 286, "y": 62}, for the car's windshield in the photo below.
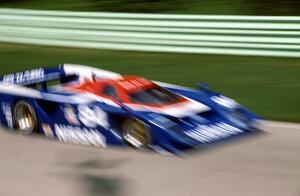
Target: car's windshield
{"x": 156, "y": 95}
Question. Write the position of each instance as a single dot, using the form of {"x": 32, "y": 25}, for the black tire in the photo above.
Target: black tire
{"x": 25, "y": 118}
{"x": 136, "y": 134}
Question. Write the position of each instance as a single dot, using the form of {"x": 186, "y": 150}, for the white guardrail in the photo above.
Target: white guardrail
{"x": 207, "y": 34}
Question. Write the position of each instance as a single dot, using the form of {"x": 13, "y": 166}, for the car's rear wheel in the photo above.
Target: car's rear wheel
{"x": 25, "y": 118}
{"x": 136, "y": 134}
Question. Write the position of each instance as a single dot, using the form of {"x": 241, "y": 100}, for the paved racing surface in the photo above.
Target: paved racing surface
{"x": 268, "y": 164}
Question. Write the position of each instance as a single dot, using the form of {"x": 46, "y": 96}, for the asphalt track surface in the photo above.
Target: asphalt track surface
{"x": 267, "y": 164}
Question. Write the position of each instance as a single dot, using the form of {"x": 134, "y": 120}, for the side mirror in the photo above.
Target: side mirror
{"x": 94, "y": 77}
{"x": 204, "y": 87}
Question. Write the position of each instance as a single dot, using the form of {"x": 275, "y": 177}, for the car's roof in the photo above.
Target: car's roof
{"x": 133, "y": 83}
{"x": 126, "y": 84}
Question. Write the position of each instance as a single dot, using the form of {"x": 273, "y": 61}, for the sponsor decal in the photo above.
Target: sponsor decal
{"x": 7, "y": 111}
{"x": 78, "y": 135}
{"x": 23, "y": 77}
{"x": 70, "y": 115}
{"x": 47, "y": 130}
{"x": 134, "y": 83}
{"x": 92, "y": 116}
{"x": 210, "y": 133}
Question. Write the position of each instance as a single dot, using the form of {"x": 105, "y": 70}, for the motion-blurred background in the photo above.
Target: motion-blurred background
{"x": 236, "y": 7}
{"x": 267, "y": 84}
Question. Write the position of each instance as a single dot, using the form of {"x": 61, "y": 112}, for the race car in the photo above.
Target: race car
{"x": 83, "y": 105}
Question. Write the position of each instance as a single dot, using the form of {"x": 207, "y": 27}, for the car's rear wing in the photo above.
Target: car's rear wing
{"x": 32, "y": 76}
{"x": 64, "y": 73}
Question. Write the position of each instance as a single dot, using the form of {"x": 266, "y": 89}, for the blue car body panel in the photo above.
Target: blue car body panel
{"x": 80, "y": 118}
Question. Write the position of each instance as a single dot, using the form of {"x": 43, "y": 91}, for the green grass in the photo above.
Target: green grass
{"x": 235, "y": 7}
{"x": 268, "y": 86}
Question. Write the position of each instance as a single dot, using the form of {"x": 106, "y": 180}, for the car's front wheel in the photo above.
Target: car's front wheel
{"x": 25, "y": 118}
{"x": 136, "y": 134}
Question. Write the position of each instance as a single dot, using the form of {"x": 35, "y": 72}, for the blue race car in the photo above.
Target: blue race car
{"x": 84, "y": 105}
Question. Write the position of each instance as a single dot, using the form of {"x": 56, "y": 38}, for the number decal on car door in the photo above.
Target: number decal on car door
{"x": 92, "y": 116}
